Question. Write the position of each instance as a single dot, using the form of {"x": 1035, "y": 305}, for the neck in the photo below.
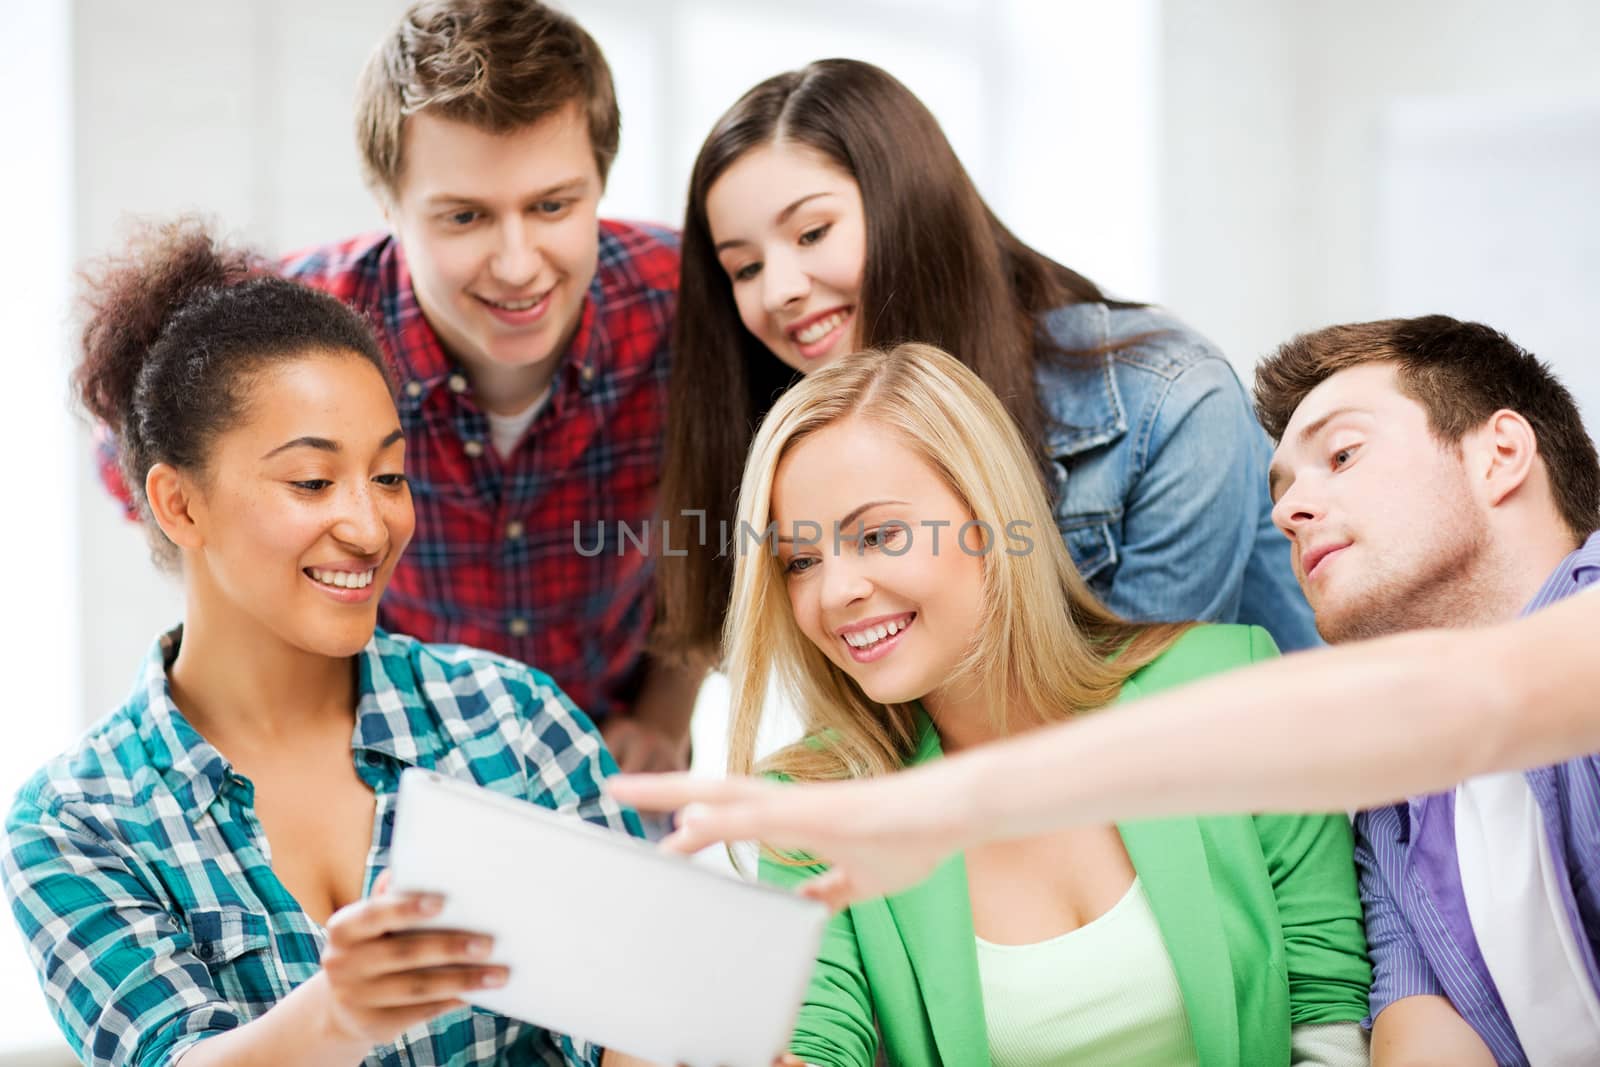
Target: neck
{"x": 1514, "y": 561}
{"x": 502, "y": 390}
{"x": 1526, "y": 557}
{"x": 963, "y": 718}
{"x": 236, "y": 681}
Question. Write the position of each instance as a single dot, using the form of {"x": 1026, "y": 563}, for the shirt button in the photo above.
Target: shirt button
{"x": 458, "y": 383}
{"x": 588, "y": 372}
{"x": 203, "y": 950}
{"x": 513, "y": 530}
{"x": 473, "y": 448}
{"x": 518, "y": 627}
{"x": 413, "y": 389}
{"x": 373, "y": 759}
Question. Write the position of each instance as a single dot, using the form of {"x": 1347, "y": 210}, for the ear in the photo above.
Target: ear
{"x": 176, "y": 505}
{"x": 1508, "y": 451}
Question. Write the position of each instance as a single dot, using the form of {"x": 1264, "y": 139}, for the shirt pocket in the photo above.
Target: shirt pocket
{"x": 1092, "y": 547}
{"x": 235, "y": 944}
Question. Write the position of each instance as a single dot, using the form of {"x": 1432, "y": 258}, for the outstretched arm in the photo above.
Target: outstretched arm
{"x": 1318, "y": 731}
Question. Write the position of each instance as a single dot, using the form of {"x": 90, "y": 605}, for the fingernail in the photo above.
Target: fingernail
{"x": 430, "y": 903}
{"x": 493, "y": 979}
{"x": 478, "y": 947}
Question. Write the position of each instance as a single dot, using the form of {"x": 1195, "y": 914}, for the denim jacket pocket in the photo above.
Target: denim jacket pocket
{"x": 235, "y": 945}
{"x": 1090, "y": 543}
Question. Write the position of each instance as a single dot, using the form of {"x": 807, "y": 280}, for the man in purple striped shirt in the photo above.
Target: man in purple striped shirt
{"x": 1432, "y": 473}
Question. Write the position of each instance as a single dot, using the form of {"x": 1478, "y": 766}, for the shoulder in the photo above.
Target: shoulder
{"x": 1204, "y": 650}
{"x": 637, "y": 256}
{"x": 1147, "y": 339}
{"x": 1121, "y": 367}
{"x": 106, "y": 772}
{"x": 344, "y": 268}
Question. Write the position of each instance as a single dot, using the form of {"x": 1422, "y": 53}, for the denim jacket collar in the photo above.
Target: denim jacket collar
{"x": 1080, "y": 394}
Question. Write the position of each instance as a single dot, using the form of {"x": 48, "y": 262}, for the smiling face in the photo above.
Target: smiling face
{"x": 501, "y": 236}
{"x": 1385, "y": 530}
{"x": 898, "y": 611}
{"x": 304, "y": 509}
{"x": 790, "y": 233}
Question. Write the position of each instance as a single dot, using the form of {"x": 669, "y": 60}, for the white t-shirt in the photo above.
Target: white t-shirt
{"x": 1513, "y": 895}
{"x": 505, "y": 431}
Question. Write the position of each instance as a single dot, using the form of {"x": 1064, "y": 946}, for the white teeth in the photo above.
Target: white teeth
{"x": 869, "y": 637}
{"x": 820, "y": 329}
{"x": 520, "y": 305}
{"x": 343, "y": 579}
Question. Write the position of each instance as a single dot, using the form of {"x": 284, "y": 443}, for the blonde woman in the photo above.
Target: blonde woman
{"x": 897, "y": 571}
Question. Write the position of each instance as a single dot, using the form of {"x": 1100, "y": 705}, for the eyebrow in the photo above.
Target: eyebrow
{"x": 783, "y": 217}
{"x": 1275, "y": 473}
{"x": 568, "y": 186}
{"x": 854, "y": 514}
{"x": 325, "y": 444}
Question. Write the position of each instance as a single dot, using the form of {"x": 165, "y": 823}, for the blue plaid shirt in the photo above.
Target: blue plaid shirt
{"x": 138, "y": 872}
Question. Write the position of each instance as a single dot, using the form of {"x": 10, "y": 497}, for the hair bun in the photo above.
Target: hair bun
{"x": 132, "y": 296}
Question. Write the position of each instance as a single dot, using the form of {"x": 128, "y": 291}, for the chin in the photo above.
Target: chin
{"x": 889, "y": 692}
{"x": 339, "y": 642}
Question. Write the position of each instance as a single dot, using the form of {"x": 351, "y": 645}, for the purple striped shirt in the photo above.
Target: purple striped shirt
{"x": 1418, "y": 930}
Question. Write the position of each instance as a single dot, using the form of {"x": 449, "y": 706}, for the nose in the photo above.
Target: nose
{"x": 361, "y": 525}
{"x": 783, "y": 282}
{"x": 1296, "y": 509}
{"x": 844, "y": 579}
{"x": 516, "y": 259}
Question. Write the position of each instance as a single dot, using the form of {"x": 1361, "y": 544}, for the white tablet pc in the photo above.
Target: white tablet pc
{"x": 608, "y": 939}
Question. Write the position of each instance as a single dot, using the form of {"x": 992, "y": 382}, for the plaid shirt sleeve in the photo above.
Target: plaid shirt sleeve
{"x": 115, "y": 965}
{"x": 1399, "y": 966}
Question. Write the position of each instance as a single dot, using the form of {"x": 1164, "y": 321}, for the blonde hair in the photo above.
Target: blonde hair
{"x": 1045, "y": 643}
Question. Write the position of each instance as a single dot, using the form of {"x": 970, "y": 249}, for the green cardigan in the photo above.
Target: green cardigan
{"x": 1260, "y": 915}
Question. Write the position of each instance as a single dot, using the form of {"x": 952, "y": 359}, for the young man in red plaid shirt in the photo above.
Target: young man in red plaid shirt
{"x": 530, "y": 343}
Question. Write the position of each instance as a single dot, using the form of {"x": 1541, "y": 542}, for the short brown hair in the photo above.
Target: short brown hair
{"x": 497, "y": 65}
{"x": 1461, "y": 373}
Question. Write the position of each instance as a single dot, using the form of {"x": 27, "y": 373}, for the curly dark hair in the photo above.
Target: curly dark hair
{"x": 177, "y": 325}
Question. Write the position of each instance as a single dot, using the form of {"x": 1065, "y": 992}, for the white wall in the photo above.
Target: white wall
{"x": 39, "y": 623}
{"x": 1273, "y": 115}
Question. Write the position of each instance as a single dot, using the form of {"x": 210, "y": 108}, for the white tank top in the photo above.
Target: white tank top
{"x": 1105, "y": 993}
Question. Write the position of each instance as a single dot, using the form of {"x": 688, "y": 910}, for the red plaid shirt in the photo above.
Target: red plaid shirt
{"x": 495, "y": 560}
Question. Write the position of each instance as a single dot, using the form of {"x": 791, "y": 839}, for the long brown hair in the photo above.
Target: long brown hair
{"x": 940, "y": 269}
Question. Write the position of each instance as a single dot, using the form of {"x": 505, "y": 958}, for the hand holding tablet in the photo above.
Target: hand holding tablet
{"x": 606, "y": 938}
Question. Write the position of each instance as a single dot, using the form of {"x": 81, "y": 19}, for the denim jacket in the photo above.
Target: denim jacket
{"x": 1160, "y": 473}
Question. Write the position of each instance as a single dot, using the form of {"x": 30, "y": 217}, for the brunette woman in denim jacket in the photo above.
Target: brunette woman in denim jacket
{"x": 827, "y": 212}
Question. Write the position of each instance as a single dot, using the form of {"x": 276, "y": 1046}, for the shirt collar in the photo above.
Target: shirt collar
{"x": 389, "y": 707}
{"x": 1580, "y": 568}
{"x": 392, "y": 716}
{"x": 188, "y": 764}
{"x": 1080, "y": 393}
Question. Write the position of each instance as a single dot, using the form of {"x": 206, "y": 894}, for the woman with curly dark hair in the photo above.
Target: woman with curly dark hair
{"x": 199, "y": 876}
